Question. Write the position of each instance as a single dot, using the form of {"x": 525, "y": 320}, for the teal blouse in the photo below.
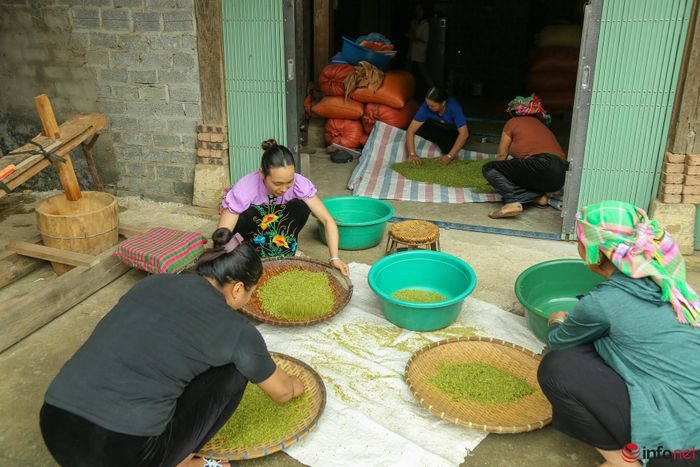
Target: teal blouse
{"x": 638, "y": 335}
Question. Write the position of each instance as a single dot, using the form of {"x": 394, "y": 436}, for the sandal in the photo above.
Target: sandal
{"x": 501, "y": 214}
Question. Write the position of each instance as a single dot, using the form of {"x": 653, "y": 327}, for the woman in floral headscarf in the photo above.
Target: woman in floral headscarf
{"x": 623, "y": 373}
{"x": 538, "y": 165}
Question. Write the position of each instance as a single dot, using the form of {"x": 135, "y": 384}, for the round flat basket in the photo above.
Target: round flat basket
{"x": 340, "y": 286}
{"x": 529, "y": 413}
{"x": 316, "y": 390}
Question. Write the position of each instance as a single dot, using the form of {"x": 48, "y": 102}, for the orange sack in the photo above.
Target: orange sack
{"x": 332, "y": 77}
{"x": 399, "y": 118}
{"x": 554, "y": 59}
{"x": 338, "y": 107}
{"x": 557, "y": 100}
{"x": 398, "y": 87}
{"x": 347, "y": 133}
{"x": 541, "y": 81}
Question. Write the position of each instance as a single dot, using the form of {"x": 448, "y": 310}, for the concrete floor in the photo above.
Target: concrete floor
{"x": 29, "y": 366}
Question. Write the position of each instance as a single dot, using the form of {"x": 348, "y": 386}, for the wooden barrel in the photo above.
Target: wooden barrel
{"x": 89, "y": 225}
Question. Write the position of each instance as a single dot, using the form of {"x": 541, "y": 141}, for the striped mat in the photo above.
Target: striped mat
{"x": 374, "y": 178}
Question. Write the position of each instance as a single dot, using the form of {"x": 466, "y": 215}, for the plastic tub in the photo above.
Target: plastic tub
{"x": 552, "y": 286}
{"x": 361, "y": 221}
{"x": 431, "y": 271}
{"x": 355, "y": 53}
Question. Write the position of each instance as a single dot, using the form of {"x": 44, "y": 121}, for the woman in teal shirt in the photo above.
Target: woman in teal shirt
{"x": 623, "y": 373}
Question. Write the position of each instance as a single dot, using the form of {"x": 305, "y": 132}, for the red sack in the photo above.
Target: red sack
{"x": 541, "y": 81}
{"x": 364, "y": 139}
{"x": 347, "y": 133}
{"x": 554, "y": 59}
{"x": 338, "y": 107}
{"x": 307, "y": 107}
{"x": 399, "y": 118}
{"x": 332, "y": 78}
{"x": 396, "y": 90}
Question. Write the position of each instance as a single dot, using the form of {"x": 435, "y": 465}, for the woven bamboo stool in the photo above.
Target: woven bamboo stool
{"x": 413, "y": 235}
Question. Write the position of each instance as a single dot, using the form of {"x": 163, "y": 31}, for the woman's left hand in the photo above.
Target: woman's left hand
{"x": 557, "y": 316}
{"x": 444, "y": 160}
{"x": 341, "y": 266}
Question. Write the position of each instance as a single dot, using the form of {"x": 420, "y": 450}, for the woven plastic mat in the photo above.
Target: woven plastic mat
{"x": 340, "y": 286}
{"x": 530, "y": 413}
{"x": 317, "y": 395}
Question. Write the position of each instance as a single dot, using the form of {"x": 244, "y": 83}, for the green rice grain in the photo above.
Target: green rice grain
{"x": 297, "y": 295}
{"x": 481, "y": 383}
{"x": 418, "y": 296}
{"x": 460, "y": 174}
{"x": 260, "y": 420}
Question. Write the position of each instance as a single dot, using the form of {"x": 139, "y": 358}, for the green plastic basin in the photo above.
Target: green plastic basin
{"x": 361, "y": 221}
{"x": 552, "y": 286}
{"x": 431, "y": 271}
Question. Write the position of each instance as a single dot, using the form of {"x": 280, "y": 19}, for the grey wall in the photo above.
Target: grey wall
{"x": 133, "y": 60}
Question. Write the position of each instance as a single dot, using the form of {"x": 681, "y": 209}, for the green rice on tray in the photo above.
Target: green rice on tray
{"x": 418, "y": 296}
{"x": 481, "y": 383}
{"x": 260, "y": 420}
{"x": 297, "y": 295}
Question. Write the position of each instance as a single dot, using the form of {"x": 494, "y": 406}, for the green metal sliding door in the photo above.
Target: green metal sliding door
{"x": 257, "y": 85}
{"x": 639, "y": 54}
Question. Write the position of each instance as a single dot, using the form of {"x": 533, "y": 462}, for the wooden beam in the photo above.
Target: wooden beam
{"x": 47, "y": 253}
{"x": 14, "y": 267}
{"x": 210, "y": 52}
{"x": 323, "y": 35}
{"x": 47, "y": 117}
{"x": 23, "y": 315}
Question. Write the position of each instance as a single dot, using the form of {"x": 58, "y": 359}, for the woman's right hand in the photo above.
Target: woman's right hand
{"x": 415, "y": 160}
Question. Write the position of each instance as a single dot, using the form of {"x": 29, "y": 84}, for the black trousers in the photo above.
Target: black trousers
{"x": 442, "y": 134}
{"x": 524, "y": 180}
{"x": 202, "y": 409}
{"x": 590, "y": 400}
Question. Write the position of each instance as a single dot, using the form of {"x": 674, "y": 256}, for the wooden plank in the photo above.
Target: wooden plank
{"x": 323, "y": 36}
{"x": 210, "y": 50}
{"x": 126, "y": 230}
{"x": 15, "y": 267}
{"x": 23, "y": 315}
{"x": 26, "y": 175}
{"x": 47, "y": 253}
{"x": 47, "y": 117}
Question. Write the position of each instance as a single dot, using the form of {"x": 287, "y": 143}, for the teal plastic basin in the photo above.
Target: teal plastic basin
{"x": 552, "y": 286}
{"x": 361, "y": 221}
{"x": 431, "y": 271}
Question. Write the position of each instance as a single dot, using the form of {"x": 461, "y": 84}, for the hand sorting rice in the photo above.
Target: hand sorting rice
{"x": 419, "y": 296}
{"x": 259, "y": 420}
{"x": 480, "y": 383}
{"x": 297, "y": 295}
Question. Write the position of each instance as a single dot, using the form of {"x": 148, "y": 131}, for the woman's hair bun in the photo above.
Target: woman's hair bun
{"x": 221, "y": 236}
{"x": 268, "y": 144}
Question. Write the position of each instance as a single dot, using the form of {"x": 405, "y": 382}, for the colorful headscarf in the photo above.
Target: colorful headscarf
{"x": 532, "y": 105}
{"x": 638, "y": 247}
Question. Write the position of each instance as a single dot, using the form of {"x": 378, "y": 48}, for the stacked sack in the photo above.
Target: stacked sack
{"x": 350, "y": 120}
{"x": 554, "y": 66}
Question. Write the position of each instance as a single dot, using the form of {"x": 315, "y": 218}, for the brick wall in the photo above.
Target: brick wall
{"x": 133, "y": 60}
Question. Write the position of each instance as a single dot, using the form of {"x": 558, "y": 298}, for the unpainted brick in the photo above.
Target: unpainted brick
{"x": 149, "y": 21}
{"x": 691, "y": 190}
{"x": 692, "y": 170}
{"x": 674, "y": 158}
{"x": 202, "y": 152}
{"x": 673, "y": 168}
{"x": 99, "y": 39}
{"x": 143, "y": 76}
{"x": 693, "y": 159}
{"x": 218, "y": 137}
{"x": 675, "y": 189}
{"x": 671, "y": 178}
{"x": 691, "y": 199}
{"x": 692, "y": 180}
{"x": 204, "y": 136}
{"x": 670, "y": 199}
{"x": 210, "y": 160}
{"x": 167, "y": 140}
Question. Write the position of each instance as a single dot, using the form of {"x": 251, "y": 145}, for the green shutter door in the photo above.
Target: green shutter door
{"x": 254, "y": 64}
{"x": 637, "y": 65}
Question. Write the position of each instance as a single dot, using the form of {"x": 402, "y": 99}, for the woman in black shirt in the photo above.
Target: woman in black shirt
{"x": 165, "y": 368}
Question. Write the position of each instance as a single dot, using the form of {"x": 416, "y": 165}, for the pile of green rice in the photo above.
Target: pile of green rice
{"x": 481, "y": 383}
{"x": 260, "y": 420}
{"x": 419, "y": 296}
{"x": 459, "y": 174}
{"x": 297, "y": 295}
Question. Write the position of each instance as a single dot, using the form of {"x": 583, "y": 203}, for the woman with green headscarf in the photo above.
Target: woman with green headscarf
{"x": 623, "y": 371}
{"x": 538, "y": 163}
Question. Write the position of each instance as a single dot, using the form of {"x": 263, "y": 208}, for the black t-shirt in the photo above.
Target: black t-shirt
{"x": 164, "y": 332}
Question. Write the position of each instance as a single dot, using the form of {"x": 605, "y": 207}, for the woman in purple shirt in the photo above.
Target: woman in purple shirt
{"x": 270, "y": 206}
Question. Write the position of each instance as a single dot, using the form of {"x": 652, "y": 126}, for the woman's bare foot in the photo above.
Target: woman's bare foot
{"x": 508, "y": 210}
{"x": 542, "y": 201}
{"x": 192, "y": 461}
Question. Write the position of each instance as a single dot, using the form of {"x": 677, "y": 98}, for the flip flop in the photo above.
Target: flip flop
{"x": 503, "y": 215}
